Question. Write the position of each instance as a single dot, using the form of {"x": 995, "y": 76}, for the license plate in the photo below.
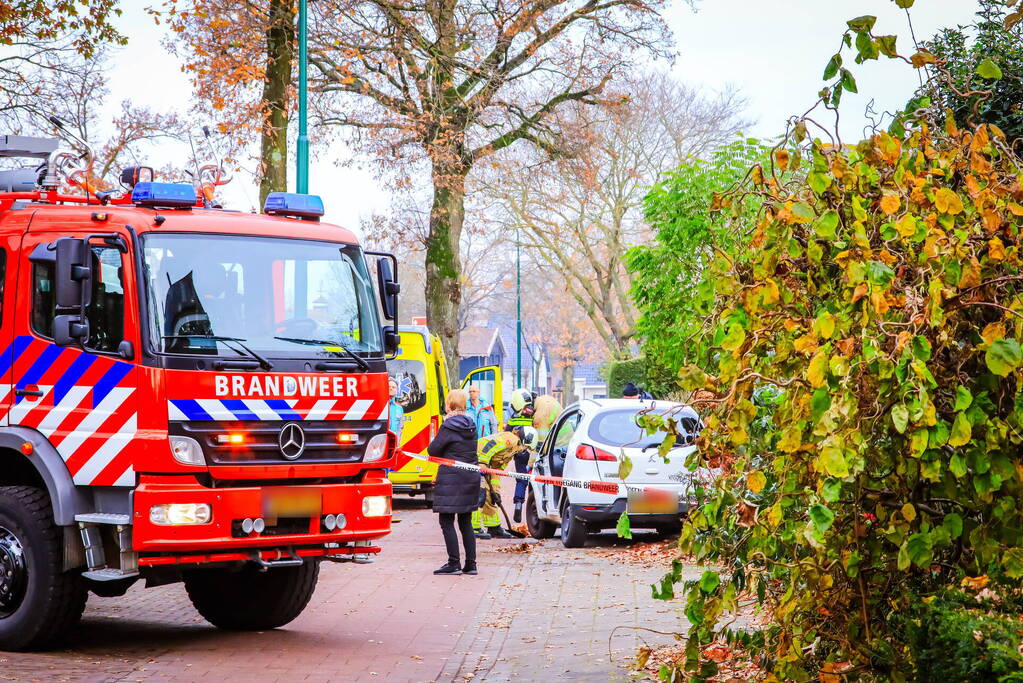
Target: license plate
{"x": 653, "y": 503}
{"x": 292, "y": 501}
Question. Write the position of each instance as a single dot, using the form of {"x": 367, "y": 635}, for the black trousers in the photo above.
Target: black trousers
{"x": 522, "y": 466}
{"x": 447, "y": 527}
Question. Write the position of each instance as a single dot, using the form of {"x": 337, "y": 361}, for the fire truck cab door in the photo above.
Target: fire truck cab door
{"x": 82, "y": 399}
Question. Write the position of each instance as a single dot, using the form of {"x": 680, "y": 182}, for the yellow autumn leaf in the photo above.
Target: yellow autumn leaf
{"x": 755, "y": 481}
{"x": 890, "y": 204}
{"x": 906, "y": 225}
{"x": 860, "y": 291}
{"x": 880, "y": 302}
{"x": 908, "y": 512}
{"x": 1016, "y": 209}
{"x": 805, "y": 344}
{"x": 770, "y": 293}
{"x": 947, "y": 201}
{"x": 993, "y": 332}
{"x": 995, "y": 249}
{"x": 971, "y": 274}
{"x": 781, "y": 157}
{"x": 817, "y": 373}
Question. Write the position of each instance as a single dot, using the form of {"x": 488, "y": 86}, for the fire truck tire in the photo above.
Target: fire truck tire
{"x": 250, "y": 600}
{"x": 39, "y": 602}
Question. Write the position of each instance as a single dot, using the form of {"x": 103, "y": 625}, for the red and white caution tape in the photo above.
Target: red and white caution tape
{"x": 610, "y": 487}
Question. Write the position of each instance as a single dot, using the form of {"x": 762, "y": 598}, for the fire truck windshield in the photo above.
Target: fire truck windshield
{"x": 281, "y": 297}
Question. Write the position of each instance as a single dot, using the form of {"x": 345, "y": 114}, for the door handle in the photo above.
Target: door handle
{"x": 28, "y": 392}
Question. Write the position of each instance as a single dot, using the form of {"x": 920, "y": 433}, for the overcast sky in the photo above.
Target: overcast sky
{"x": 773, "y": 51}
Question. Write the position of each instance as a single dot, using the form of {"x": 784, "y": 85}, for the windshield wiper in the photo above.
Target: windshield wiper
{"x": 320, "y": 342}
{"x": 263, "y": 362}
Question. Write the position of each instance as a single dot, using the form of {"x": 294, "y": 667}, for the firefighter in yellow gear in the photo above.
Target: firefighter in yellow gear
{"x": 494, "y": 451}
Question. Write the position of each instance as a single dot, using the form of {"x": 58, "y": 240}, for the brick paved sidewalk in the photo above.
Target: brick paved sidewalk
{"x": 565, "y": 615}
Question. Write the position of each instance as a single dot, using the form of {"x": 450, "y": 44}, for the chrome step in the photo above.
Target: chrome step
{"x": 104, "y": 518}
{"x": 109, "y": 574}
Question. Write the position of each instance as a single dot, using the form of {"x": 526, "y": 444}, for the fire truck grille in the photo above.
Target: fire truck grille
{"x": 261, "y": 441}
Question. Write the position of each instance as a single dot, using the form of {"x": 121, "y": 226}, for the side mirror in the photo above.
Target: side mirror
{"x": 70, "y": 330}
{"x": 388, "y": 288}
{"x": 391, "y": 341}
{"x": 73, "y": 273}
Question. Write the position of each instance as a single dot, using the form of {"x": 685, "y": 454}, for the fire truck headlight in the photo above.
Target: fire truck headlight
{"x": 376, "y": 449}
{"x": 186, "y": 451}
{"x": 176, "y": 514}
{"x": 376, "y": 506}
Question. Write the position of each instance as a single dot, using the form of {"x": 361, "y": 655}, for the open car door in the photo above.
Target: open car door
{"x": 488, "y": 379}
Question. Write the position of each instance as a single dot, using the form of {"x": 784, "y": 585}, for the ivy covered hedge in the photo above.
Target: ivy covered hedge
{"x": 621, "y": 372}
{"x": 866, "y": 370}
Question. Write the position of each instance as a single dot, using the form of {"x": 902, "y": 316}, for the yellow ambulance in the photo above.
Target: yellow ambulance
{"x": 420, "y": 374}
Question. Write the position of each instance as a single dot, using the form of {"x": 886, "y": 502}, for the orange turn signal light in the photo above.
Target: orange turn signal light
{"x": 26, "y": 448}
{"x": 234, "y": 438}
{"x": 347, "y": 437}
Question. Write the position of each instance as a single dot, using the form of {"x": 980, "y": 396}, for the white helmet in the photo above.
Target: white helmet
{"x": 520, "y": 398}
{"x": 530, "y": 437}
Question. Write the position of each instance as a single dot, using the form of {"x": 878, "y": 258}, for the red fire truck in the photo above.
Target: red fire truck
{"x": 187, "y": 394}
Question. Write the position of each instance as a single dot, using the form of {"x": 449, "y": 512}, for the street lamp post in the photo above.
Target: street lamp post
{"x": 518, "y": 309}
{"x": 302, "y": 154}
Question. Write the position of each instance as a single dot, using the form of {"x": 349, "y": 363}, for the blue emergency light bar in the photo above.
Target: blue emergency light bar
{"x": 292, "y": 204}
{"x": 173, "y": 195}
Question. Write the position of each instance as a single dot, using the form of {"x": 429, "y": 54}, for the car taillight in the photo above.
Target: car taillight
{"x": 584, "y": 452}
{"x": 434, "y": 425}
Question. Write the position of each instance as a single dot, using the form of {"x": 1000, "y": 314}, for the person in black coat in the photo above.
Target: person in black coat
{"x": 457, "y": 492}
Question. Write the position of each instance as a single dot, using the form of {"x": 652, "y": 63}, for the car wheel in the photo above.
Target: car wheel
{"x": 573, "y": 532}
{"x": 538, "y": 528}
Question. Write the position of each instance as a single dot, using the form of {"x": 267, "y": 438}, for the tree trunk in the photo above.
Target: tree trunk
{"x": 568, "y": 396}
{"x": 443, "y": 265}
{"x": 280, "y": 52}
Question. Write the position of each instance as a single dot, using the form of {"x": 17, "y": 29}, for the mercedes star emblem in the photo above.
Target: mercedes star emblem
{"x": 292, "y": 441}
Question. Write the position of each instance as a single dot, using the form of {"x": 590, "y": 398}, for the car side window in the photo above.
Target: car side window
{"x": 565, "y": 430}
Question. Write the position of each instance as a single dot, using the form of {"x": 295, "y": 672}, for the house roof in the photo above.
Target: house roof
{"x": 477, "y": 340}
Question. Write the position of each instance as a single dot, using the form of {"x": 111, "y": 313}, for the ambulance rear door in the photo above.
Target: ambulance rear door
{"x": 488, "y": 379}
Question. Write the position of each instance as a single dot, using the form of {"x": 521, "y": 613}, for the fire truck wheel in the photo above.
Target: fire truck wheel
{"x": 250, "y": 600}
{"x": 39, "y": 602}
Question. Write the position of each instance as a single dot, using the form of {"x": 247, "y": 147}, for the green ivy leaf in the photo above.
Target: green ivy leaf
{"x": 803, "y": 210}
{"x": 904, "y": 4}
{"x": 864, "y": 23}
{"x": 920, "y": 548}
{"x": 834, "y": 462}
{"x": 831, "y": 490}
{"x": 953, "y": 524}
{"x": 886, "y": 44}
{"x": 1003, "y": 356}
{"x": 734, "y": 338}
{"x": 903, "y": 561}
{"x": 961, "y": 431}
{"x": 1012, "y": 563}
{"x": 819, "y": 182}
{"x": 624, "y": 470}
{"x": 900, "y": 417}
{"x": 988, "y": 69}
{"x": 826, "y": 225}
{"x": 709, "y": 581}
{"x": 879, "y": 273}
{"x": 957, "y": 465}
{"x": 847, "y": 81}
{"x": 832, "y": 68}
{"x": 963, "y": 399}
{"x": 921, "y": 348}
{"x": 623, "y": 528}
{"x": 821, "y": 517}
